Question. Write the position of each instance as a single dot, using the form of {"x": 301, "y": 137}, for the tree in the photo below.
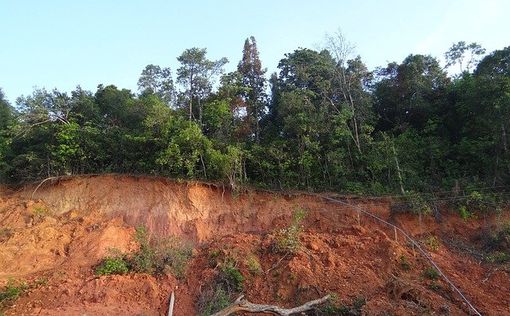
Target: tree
{"x": 196, "y": 75}
{"x": 253, "y": 79}
{"x": 408, "y": 94}
{"x": 7, "y": 119}
{"x": 349, "y": 77}
{"x": 158, "y": 81}
{"x": 457, "y": 53}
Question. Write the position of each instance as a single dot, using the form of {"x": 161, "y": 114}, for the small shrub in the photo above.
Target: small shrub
{"x": 431, "y": 273}
{"x": 253, "y": 265}
{"x": 143, "y": 260}
{"x": 5, "y": 233}
{"x": 498, "y": 257}
{"x": 112, "y": 265}
{"x": 172, "y": 255}
{"x": 11, "y": 292}
{"x": 432, "y": 243}
{"x": 434, "y": 286}
{"x": 339, "y": 309}
{"x": 166, "y": 255}
{"x": 211, "y": 302}
{"x": 231, "y": 277}
{"x": 404, "y": 263}
{"x": 417, "y": 204}
{"x": 287, "y": 239}
{"x": 464, "y": 213}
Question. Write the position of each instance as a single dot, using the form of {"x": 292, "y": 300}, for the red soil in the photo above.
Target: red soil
{"x": 54, "y": 237}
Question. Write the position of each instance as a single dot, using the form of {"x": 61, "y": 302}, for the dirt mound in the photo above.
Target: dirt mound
{"x": 52, "y": 240}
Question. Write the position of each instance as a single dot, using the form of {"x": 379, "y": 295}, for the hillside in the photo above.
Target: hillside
{"x": 53, "y": 239}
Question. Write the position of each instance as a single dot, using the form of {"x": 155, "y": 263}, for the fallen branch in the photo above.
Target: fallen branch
{"x": 242, "y": 305}
{"x": 171, "y": 304}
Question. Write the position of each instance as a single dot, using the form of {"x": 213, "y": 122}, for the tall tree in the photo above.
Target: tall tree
{"x": 407, "y": 94}
{"x": 253, "y": 79}
{"x": 347, "y": 80}
{"x": 157, "y": 80}
{"x": 196, "y": 74}
{"x": 460, "y": 51}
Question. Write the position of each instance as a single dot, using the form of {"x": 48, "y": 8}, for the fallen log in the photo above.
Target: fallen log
{"x": 243, "y": 305}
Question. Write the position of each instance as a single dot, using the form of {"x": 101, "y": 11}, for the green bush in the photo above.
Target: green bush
{"x": 287, "y": 239}
{"x": 404, "y": 263}
{"x": 112, "y": 265}
{"x": 432, "y": 243}
{"x": 143, "y": 260}
{"x": 211, "y": 302}
{"x": 253, "y": 265}
{"x": 338, "y": 309}
{"x": 166, "y": 255}
{"x": 498, "y": 239}
{"x": 172, "y": 255}
{"x": 231, "y": 277}
{"x": 431, "y": 273}
{"x": 11, "y": 292}
{"x": 464, "y": 213}
{"x": 498, "y": 257}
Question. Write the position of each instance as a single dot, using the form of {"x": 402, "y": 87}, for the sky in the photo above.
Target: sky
{"x": 61, "y": 43}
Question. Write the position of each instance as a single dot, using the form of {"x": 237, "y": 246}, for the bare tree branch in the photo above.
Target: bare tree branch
{"x": 243, "y": 305}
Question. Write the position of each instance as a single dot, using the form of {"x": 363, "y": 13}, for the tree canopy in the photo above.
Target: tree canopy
{"x": 323, "y": 121}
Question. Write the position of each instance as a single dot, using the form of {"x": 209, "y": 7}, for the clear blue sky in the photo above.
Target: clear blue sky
{"x": 63, "y": 43}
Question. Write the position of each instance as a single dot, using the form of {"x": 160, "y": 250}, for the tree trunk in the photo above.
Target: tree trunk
{"x": 399, "y": 172}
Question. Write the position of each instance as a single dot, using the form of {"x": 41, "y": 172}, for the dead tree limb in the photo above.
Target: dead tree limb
{"x": 242, "y": 305}
{"x": 171, "y": 304}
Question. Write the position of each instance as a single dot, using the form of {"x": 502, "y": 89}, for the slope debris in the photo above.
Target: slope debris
{"x": 52, "y": 239}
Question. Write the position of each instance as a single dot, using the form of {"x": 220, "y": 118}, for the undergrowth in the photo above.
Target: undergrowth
{"x": 431, "y": 273}
{"x": 14, "y": 289}
{"x": 228, "y": 282}
{"x": 337, "y": 308}
{"x": 160, "y": 256}
{"x": 286, "y": 240}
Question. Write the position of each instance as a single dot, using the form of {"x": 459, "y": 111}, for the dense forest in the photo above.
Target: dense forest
{"x": 323, "y": 121}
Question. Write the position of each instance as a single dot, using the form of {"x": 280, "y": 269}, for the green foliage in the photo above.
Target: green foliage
{"x": 404, "y": 263}
{"x": 231, "y": 277}
{"x": 464, "y": 213}
{"x": 214, "y": 301}
{"x": 432, "y": 242}
{"x": 11, "y": 292}
{"x": 499, "y": 257}
{"x": 144, "y": 260}
{"x": 253, "y": 264}
{"x": 342, "y": 309}
{"x": 286, "y": 240}
{"x": 328, "y": 124}
{"x": 162, "y": 256}
{"x": 112, "y": 265}
{"x": 431, "y": 273}
{"x": 498, "y": 239}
